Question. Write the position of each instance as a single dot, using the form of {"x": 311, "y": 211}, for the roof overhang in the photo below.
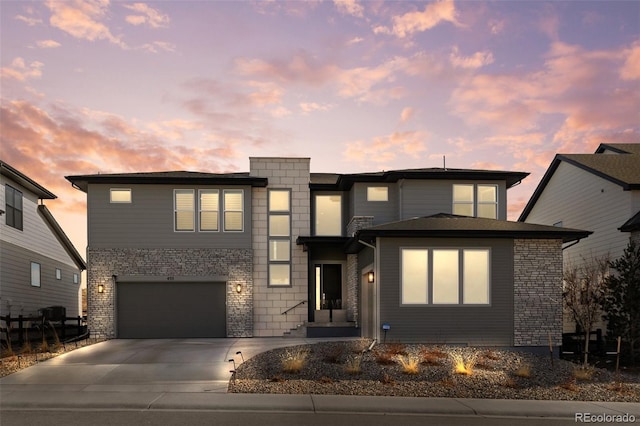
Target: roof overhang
{"x": 26, "y": 182}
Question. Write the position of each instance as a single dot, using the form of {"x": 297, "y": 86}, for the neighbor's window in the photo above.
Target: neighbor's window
{"x": 444, "y": 276}
{"x": 58, "y": 274}
{"x": 35, "y": 274}
{"x": 328, "y": 212}
{"x": 475, "y": 200}
{"x": 279, "y": 237}
{"x": 13, "y": 207}
{"x": 184, "y": 209}
{"x": 377, "y": 193}
{"x": 233, "y": 210}
{"x": 120, "y": 195}
{"x": 209, "y": 209}
{"x": 75, "y": 278}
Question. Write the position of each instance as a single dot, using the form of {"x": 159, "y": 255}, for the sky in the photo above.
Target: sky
{"x": 105, "y": 86}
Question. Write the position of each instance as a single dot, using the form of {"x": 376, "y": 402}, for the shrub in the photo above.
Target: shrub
{"x": 293, "y": 360}
{"x": 523, "y": 371}
{"x": 387, "y": 380}
{"x": 333, "y": 354}
{"x": 569, "y": 385}
{"x": 383, "y": 357}
{"x": 491, "y": 354}
{"x": 410, "y": 364}
{"x": 361, "y": 345}
{"x": 396, "y": 348}
{"x": 464, "y": 366}
{"x": 583, "y": 373}
{"x": 353, "y": 366}
{"x": 432, "y": 356}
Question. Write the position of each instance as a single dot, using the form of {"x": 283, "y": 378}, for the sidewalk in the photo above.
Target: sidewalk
{"x": 29, "y": 398}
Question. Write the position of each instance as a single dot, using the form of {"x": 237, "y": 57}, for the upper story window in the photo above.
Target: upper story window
{"x": 13, "y": 207}
{"x": 444, "y": 276}
{"x": 209, "y": 209}
{"x": 279, "y": 237}
{"x": 377, "y": 193}
{"x": 233, "y": 210}
{"x": 475, "y": 200}
{"x": 184, "y": 209}
{"x": 58, "y": 274}
{"x": 328, "y": 215}
{"x": 120, "y": 195}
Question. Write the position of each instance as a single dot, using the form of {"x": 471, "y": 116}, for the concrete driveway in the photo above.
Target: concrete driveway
{"x": 145, "y": 365}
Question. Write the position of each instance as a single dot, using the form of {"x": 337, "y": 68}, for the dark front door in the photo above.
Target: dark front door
{"x": 329, "y": 286}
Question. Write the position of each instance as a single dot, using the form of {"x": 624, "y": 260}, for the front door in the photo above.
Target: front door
{"x": 328, "y": 286}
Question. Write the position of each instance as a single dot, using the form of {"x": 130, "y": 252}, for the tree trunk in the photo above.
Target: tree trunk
{"x": 587, "y": 335}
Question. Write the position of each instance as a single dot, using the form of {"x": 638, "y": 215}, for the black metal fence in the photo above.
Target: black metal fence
{"x": 18, "y": 329}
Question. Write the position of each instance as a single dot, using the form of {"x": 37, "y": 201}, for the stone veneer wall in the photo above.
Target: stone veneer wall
{"x": 537, "y": 293}
{"x": 270, "y": 302}
{"x": 234, "y": 264}
{"x": 353, "y": 275}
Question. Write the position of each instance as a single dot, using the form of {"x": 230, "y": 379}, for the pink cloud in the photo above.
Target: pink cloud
{"x": 47, "y": 44}
{"x": 631, "y": 68}
{"x": 349, "y": 7}
{"x": 406, "y": 114}
{"x": 412, "y": 22}
{"x": 383, "y": 149}
{"x": 146, "y": 15}
{"x": 21, "y": 71}
{"x": 477, "y": 60}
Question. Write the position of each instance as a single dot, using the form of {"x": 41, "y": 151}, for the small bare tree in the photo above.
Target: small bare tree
{"x": 583, "y": 294}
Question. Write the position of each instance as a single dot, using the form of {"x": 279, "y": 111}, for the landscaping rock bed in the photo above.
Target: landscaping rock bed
{"x": 346, "y": 368}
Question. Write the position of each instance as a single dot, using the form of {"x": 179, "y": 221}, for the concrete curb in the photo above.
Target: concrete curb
{"x": 308, "y": 404}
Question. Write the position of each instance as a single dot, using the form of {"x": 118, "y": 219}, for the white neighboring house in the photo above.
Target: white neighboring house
{"x": 39, "y": 266}
{"x": 599, "y": 192}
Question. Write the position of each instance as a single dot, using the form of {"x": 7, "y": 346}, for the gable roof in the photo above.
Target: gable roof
{"x": 171, "y": 177}
{"x": 622, "y": 168}
{"x": 449, "y": 225}
{"x": 632, "y": 224}
{"x": 24, "y": 180}
{"x": 61, "y": 236}
{"x": 328, "y": 181}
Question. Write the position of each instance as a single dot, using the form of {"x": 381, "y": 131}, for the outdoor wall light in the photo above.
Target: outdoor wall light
{"x": 238, "y": 288}
{"x": 370, "y": 277}
{"x": 100, "y": 288}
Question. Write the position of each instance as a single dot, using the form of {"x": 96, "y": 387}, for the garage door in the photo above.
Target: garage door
{"x": 171, "y": 310}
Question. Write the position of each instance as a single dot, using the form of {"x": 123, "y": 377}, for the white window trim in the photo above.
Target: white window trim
{"x": 175, "y": 225}
{"x": 460, "y": 303}
{"x": 112, "y": 190}
{"x": 200, "y": 210}
{"x": 224, "y": 224}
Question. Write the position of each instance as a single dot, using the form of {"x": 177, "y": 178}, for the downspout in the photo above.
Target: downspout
{"x": 572, "y": 244}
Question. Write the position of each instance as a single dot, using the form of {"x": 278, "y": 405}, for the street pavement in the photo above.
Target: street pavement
{"x": 193, "y": 374}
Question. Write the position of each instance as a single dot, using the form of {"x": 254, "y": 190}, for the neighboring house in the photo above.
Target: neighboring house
{"x": 39, "y": 266}
{"x": 599, "y": 192}
{"x": 413, "y": 255}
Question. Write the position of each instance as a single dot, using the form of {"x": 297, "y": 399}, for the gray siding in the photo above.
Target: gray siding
{"x": 485, "y": 325}
{"x": 382, "y": 211}
{"x": 17, "y": 295}
{"x": 148, "y": 222}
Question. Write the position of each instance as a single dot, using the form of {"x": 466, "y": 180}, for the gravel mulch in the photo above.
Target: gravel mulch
{"x": 341, "y": 368}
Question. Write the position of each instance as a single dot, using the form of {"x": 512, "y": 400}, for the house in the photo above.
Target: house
{"x": 599, "y": 192}
{"x": 39, "y": 266}
{"x": 185, "y": 254}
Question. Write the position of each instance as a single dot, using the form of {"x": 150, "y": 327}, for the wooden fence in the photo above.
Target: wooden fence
{"x": 17, "y": 328}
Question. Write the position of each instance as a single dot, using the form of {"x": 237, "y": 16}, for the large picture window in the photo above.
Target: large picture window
{"x": 444, "y": 276}
{"x": 13, "y": 207}
{"x": 328, "y": 215}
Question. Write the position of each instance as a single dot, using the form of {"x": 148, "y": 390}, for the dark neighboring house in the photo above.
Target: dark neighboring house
{"x": 599, "y": 192}
{"x": 39, "y": 266}
{"x": 414, "y": 255}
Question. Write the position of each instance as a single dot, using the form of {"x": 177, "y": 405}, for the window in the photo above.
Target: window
{"x": 120, "y": 195}
{"x": 184, "y": 209}
{"x": 75, "y": 278}
{"x": 279, "y": 237}
{"x": 13, "y": 207}
{"x": 35, "y": 274}
{"x": 377, "y": 193}
{"x": 209, "y": 209}
{"x": 444, "y": 276}
{"x": 233, "y": 210}
{"x": 328, "y": 212}
{"x": 58, "y": 274}
{"x": 465, "y": 196}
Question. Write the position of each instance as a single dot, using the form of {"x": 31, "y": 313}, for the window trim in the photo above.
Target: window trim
{"x": 225, "y": 210}
{"x": 476, "y": 203}
{"x": 36, "y": 281}
{"x": 429, "y": 279}
{"x": 486, "y": 203}
{"x": 112, "y": 190}
{"x": 175, "y": 210}
{"x": 200, "y": 210}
